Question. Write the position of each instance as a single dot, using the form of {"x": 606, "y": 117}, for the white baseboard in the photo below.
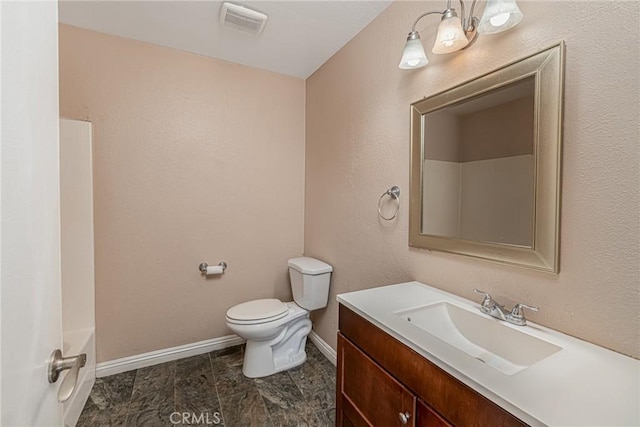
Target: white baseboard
{"x": 324, "y": 348}
{"x": 130, "y": 363}
{"x": 111, "y": 367}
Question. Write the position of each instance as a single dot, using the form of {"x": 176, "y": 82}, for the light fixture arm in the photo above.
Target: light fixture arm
{"x": 469, "y": 24}
{"x": 433, "y": 12}
{"x": 473, "y": 9}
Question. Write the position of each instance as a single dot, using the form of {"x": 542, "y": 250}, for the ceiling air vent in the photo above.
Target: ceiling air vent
{"x": 242, "y": 18}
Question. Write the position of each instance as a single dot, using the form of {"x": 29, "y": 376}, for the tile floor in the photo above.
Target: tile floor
{"x": 211, "y": 390}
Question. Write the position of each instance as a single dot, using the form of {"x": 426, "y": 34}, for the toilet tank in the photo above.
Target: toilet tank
{"x": 310, "y": 280}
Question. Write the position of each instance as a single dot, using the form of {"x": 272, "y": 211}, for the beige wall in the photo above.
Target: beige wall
{"x": 194, "y": 160}
{"x": 357, "y": 146}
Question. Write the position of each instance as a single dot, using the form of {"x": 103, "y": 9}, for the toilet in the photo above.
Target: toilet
{"x": 276, "y": 331}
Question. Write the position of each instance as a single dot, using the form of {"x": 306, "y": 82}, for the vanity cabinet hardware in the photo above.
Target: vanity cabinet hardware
{"x": 376, "y": 373}
{"x": 404, "y": 417}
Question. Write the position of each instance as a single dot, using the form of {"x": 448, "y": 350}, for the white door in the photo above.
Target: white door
{"x": 30, "y": 214}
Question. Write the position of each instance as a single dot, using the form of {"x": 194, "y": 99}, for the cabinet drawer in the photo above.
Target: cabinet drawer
{"x": 369, "y": 395}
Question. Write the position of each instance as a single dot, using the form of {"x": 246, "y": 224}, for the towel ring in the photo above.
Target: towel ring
{"x": 394, "y": 192}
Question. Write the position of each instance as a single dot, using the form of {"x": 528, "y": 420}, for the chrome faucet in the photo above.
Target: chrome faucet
{"x": 492, "y": 308}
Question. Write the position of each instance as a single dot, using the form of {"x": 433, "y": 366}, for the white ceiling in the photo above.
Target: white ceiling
{"x": 299, "y": 36}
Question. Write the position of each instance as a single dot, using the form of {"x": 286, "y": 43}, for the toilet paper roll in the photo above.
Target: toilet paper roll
{"x": 214, "y": 269}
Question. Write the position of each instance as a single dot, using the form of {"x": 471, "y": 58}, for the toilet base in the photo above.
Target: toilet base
{"x": 252, "y": 370}
{"x": 264, "y": 358}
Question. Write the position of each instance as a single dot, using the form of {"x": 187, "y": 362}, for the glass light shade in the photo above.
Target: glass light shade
{"x": 499, "y": 15}
{"x": 450, "y": 36}
{"x": 413, "y": 55}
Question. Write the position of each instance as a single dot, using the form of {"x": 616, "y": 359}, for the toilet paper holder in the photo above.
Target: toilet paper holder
{"x": 203, "y": 266}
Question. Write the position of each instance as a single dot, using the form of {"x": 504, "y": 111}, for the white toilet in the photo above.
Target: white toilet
{"x": 276, "y": 332}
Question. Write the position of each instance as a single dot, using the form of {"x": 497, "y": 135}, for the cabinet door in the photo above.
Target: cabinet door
{"x": 367, "y": 394}
{"x": 427, "y": 417}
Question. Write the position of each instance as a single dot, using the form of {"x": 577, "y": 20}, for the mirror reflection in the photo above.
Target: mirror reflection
{"x": 478, "y": 171}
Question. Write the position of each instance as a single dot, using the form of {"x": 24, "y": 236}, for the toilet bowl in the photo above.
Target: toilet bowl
{"x": 274, "y": 343}
{"x": 275, "y": 331}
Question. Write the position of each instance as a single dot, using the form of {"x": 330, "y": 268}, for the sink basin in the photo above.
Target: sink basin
{"x": 488, "y": 340}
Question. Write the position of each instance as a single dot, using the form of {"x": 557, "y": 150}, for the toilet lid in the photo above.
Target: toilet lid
{"x": 257, "y": 309}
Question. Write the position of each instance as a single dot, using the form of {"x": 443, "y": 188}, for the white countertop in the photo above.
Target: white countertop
{"x": 581, "y": 385}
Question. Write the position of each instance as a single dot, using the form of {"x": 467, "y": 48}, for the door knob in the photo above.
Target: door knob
{"x": 57, "y": 364}
{"x": 404, "y": 417}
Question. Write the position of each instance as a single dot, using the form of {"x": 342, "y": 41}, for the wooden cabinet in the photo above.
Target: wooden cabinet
{"x": 370, "y": 396}
{"x": 382, "y": 382}
{"x": 427, "y": 417}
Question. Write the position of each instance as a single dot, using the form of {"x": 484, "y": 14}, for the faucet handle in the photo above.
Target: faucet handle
{"x": 516, "y": 316}
{"x": 487, "y": 302}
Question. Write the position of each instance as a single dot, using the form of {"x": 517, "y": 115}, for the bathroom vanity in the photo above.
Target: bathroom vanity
{"x": 394, "y": 385}
{"x": 410, "y": 354}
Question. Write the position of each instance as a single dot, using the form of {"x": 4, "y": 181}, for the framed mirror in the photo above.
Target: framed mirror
{"x": 485, "y": 165}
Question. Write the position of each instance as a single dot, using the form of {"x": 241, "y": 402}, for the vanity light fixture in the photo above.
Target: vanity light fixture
{"x": 455, "y": 33}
